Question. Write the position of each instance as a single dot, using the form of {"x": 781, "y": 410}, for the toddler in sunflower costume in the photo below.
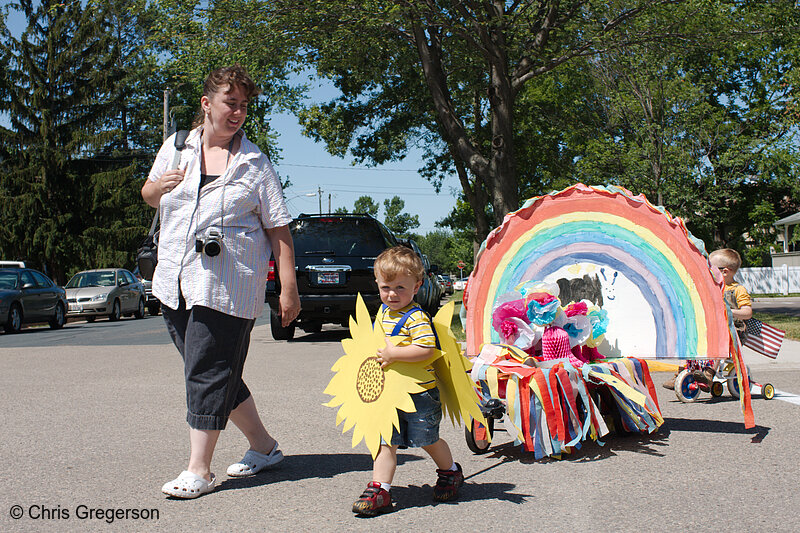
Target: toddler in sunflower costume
{"x": 399, "y": 273}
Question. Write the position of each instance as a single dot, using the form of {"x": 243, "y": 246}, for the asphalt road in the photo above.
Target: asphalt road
{"x": 93, "y": 418}
{"x": 785, "y": 306}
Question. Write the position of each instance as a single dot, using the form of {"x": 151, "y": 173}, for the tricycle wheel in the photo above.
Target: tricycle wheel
{"x": 686, "y": 388}
{"x": 733, "y": 387}
{"x": 478, "y": 446}
{"x": 768, "y": 391}
{"x": 717, "y": 389}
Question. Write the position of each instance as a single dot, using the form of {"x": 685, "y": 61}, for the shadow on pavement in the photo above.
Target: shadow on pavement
{"x": 421, "y": 496}
{"x": 647, "y": 444}
{"x": 312, "y": 466}
{"x": 716, "y": 426}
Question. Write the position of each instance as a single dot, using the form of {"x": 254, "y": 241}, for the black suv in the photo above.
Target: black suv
{"x": 334, "y": 255}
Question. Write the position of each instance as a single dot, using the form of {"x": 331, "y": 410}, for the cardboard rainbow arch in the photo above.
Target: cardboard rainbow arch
{"x": 662, "y": 299}
{"x": 621, "y": 254}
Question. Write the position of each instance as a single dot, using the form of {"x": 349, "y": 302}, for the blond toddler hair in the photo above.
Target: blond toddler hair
{"x": 399, "y": 261}
{"x": 728, "y": 258}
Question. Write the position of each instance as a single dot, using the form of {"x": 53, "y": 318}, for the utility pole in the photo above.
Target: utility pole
{"x": 166, "y": 113}
{"x": 329, "y": 203}
{"x": 319, "y": 192}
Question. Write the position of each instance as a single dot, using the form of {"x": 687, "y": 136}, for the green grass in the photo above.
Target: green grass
{"x": 455, "y": 325}
{"x": 774, "y": 295}
{"x": 790, "y": 324}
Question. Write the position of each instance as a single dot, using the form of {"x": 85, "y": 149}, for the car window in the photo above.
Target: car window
{"x": 77, "y": 281}
{"x": 8, "y": 280}
{"x": 41, "y": 280}
{"x": 337, "y": 236}
{"x": 105, "y": 279}
{"x": 26, "y": 278}
{"x": 128, "y": 276}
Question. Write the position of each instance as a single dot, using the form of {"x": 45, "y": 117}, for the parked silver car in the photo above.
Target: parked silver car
{"x": 111, "y": 292}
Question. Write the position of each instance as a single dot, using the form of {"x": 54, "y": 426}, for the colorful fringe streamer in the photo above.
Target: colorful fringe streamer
{"x": 552, "y": 408}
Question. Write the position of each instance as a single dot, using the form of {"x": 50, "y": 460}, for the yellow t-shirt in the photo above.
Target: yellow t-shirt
{"x": 417, "y": 328}
{"x": 739, "y": 296}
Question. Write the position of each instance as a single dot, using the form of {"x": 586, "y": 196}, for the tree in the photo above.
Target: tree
{"x": 397, "y": 221}
{"x": 443, "y": 249}
{"x": 705, "y": 131}
{"x": 446, "y": 74}
{"x": 365, "y": 204}
{"x": 66, "y": 86}
{"x": 198, "y": 36}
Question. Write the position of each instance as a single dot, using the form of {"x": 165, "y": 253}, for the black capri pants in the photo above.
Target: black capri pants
{"x": 213, "y": 346}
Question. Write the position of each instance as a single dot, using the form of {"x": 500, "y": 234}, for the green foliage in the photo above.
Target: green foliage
{"x": 705, "y": 130}
{"x": 69, "y": 176}
{"x": 365, "y": 204}
{"x": 398, "y": 222}
{"x": 445, "y": 250}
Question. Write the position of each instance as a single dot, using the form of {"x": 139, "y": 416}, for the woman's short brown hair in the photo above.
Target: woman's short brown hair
{"x": 233, "y": 76}
{"x": 399, "y": 261}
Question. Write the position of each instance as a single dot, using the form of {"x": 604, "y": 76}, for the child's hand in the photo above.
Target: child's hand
{"x": 387, "y": 355}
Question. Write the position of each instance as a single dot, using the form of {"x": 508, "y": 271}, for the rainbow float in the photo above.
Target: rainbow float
{"x": 632, "y": 259}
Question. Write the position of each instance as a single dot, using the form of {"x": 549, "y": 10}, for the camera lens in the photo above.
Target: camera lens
{"x": 212, "y": 248}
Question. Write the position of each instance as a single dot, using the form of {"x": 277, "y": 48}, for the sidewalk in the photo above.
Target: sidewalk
{"x": 788, "y": 358}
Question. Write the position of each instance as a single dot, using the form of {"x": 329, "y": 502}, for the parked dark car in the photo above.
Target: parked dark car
{"x": 334, "y": 255}
{"x": 429, "y": 293}
{"x": 27, "y": 296}
{"x": 447, "y": 283}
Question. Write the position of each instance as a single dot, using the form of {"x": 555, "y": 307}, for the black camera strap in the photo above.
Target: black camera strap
{"x": 222, "y": 202}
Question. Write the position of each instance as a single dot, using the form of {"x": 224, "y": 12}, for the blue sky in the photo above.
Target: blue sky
{"x": 310, "y": 168}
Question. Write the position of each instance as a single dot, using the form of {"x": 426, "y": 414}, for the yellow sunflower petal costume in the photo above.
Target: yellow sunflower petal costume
{"x": 369, "y": 396}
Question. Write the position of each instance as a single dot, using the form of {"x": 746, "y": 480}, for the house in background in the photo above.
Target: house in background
{"x": 790, "y": 255}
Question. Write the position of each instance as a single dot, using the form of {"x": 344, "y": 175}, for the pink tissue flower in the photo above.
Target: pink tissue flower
{"x": 508, "y": 329}
{"x": 542, "y": 297}
{"x": 577, "y": 308}
{"x": 506, "y": 310}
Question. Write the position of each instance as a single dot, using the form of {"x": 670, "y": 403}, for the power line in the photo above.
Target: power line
{"x": 373, "y": 169}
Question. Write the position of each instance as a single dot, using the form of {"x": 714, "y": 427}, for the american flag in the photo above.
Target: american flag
{"x": 763, "y": 338}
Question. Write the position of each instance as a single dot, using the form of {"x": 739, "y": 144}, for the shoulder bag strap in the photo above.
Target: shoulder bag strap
{"x": 180, "y": 144}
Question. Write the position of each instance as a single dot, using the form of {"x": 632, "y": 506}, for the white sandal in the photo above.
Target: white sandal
{"x": 254, "y": 462}
{"x": 189, "y": 485}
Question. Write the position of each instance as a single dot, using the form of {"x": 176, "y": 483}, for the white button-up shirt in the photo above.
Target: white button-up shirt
{"x": 241, "y": 204}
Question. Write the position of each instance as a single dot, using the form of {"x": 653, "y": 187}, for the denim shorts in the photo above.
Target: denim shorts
{"x": 420, "y": 428}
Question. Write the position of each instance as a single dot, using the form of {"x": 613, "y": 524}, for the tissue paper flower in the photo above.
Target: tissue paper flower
{"x": 598, "y": 318}
{"x": 576, "y": 308}
{"x": 579, "y": 329}
{"x": 524, "y": 336}
{"x": 506, "y": 310}
{"x": 542, "y": 311}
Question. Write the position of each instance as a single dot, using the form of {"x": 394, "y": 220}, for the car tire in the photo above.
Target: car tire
{"x": 14, "y": 322}
{"x": 90, "y": 319}
{"x": 280, "y": 333}
{"x": 115, "y": 312}
{"x": 154, "y": 309}
{"x": 139, "y": 313}
{"x": 59, "y": 319}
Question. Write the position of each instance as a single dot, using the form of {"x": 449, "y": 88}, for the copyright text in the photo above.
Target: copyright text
{"x": 81, "y": 512}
